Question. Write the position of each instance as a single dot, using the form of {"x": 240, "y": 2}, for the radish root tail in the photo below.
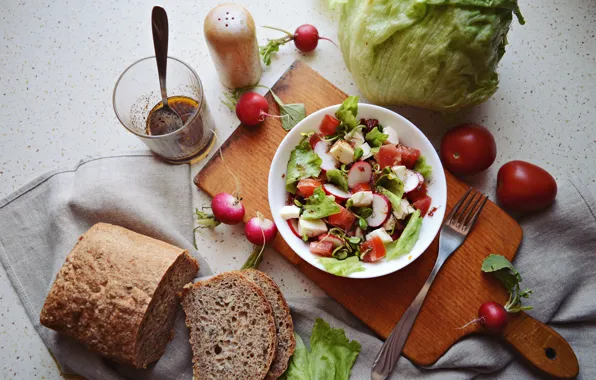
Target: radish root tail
{"x": 330, "y": 40}
{"x": 477, "y": 320}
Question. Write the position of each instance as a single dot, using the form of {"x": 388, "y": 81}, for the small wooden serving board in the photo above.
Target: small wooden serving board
{"x": 459, "y": 289}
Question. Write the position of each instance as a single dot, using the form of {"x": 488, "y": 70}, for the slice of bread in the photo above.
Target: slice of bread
{"x": 232, "y": 329}
{"x": 286, "y": 343}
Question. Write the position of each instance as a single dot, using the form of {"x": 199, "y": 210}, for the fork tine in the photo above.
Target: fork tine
{"x": 456, "y": 207}
{"x": 475, "y": 216}
{"x": 464, "y": 209}
{"x": 465, "y": 218}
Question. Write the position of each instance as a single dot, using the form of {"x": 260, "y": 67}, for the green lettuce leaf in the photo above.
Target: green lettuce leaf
{"x": 338, "y": 178}
{"x": 375, "y": 138}
{"x": 407, "y": 240}
{"x": 388, "y": 180}
{"x": 332, "y": 355}
{"x": 436, "y": 54}
{"x": 348, "y": 111}
{"x": 394, "y": 198}
{"x": 342, "y": 267}
{"x": 423, "y": 168}
{"x": 303, "y": 163}
{"x": 320, "y": 205}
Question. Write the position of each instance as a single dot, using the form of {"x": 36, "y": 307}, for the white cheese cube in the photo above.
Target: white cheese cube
{"x": 401, "y": 172}
{"x": 404, "y": 210}
{"x": 380, "y": 233}
{"x": 389, "y": 225}
{"x": 311, "y": 228}
{"x": 343, "y": 152}
{"x": 391, "y": 136}
{"x": 362, "y": 198}
{"x": 366, "y": 153}
{"x": 356, "y": 138}
{"x": 290, "y": 212}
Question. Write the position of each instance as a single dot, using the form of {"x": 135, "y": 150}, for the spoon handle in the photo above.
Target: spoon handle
{"x": 159, "y": 25}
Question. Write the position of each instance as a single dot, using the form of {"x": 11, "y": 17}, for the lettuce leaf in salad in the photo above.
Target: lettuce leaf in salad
{"x": 375, "y": 138}
{"x": 332, "y": 355}
{"x": 320, "y": 205}
{"x": 342, "y": 267}
{"x": 347, "y": 113}
{"x": 394, "y": 198}
{"x": 338, "y": 178}
{"x": 303, "y": 163}
{"x": 390, "y": 181}
{"x": 407, "y": 240}
{"x": 423, "y": 168}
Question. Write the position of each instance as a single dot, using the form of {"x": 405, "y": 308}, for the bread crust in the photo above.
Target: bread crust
{"x": 101, "y": 294}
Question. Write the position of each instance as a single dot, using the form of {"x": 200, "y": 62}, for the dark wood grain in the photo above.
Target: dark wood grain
{"x": 459, "y": 289}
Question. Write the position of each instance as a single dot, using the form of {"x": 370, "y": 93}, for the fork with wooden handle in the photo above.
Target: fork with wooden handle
{"x": 455, "y": 229}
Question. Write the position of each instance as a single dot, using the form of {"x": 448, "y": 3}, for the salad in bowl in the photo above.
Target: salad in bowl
{"x": 357, "y": 192}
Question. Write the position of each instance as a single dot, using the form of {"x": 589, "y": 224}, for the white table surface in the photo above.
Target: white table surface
{"x": 59, "y": 61}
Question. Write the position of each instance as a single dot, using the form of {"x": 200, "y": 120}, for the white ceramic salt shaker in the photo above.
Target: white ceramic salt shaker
{"x": 230, "y": 33}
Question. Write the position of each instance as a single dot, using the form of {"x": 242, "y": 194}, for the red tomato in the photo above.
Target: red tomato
{"x": 374, "y": 248}
{"x": 423, "y": 204}
{"x": 329, "y": 125}
{"x": 314, "y": 139}
{"x": 523, "y": 186}
{"x": 417, "y": 193}
{"x": 361, "y": 187}
{"x": 468, "y": 149}
{"x": 409, "y": 156}
{"x": 388, "y": 155}
{"x": 344, "y": 219}
{"x": 322, "y": 248}
{"x": 306, "y": 187}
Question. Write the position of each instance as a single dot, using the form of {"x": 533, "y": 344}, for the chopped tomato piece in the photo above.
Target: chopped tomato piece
{"x": 388, "y": 155}
{"x": 306, "y": 187}
{"x": 344, "y": 219}
{"x": 409, "y": 156}
{"x": 322, "y": 248}
{"x": 314, "y": 139}
{"x": 418, "y": 193}
{"x": 373, "y": 250}
{"x": 423, "y": 204}
{"x": 361, "y": 187}
{"x": 329, "y": 125}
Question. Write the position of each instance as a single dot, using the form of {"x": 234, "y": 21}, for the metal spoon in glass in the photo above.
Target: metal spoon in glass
{"x": 163, "y": 120}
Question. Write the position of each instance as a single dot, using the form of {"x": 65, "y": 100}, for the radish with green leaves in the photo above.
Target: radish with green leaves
{"x": 306, "y": 38}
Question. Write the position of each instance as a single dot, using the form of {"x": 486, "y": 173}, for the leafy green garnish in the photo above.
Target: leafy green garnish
{"x": 423, "y": 168}
{"x": 342, "y": 267}
{"x": 390, "y": 181}
{"x": 320, "y": 205}
{"x": 332, "y": 355}
{"x": 375, "y": 138}
{"x": 338, "y": 178}
{"x": 254, "y": 259}
{"x": 408, "y": 238}
{"x": 291, "y": 114}
{"x": 303, "y": 163}
{"x": 358, "y": 152}
{"x": 510, "y": 277}
{"x": 347, "y": 113}
{"x": 272, "y": 46}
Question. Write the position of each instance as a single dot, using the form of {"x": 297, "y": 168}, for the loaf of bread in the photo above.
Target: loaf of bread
{"x": 117, "y": 293}
{"x": 284, "y": 326}
{"x": 232, "y": 328}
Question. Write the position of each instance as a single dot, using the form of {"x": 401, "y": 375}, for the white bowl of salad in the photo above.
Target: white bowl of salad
{"x": 357, "y": 190}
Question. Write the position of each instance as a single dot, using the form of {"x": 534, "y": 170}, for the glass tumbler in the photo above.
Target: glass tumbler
{"x": 137, "y": 94}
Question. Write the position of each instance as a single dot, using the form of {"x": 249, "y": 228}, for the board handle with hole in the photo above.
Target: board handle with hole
{"x": 541, "y": 346}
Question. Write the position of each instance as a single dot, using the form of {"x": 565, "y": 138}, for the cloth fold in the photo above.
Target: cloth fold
{"x": 40, "y": 223}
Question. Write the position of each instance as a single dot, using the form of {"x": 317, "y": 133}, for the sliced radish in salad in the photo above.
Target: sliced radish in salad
{"x": 337, "y": 242}
{"x": 361, "y": 172}
{"x": 322, "y": 150}
{"x": 381, "y": 210}
{"x": 293, "y": 223}
{"x": 412, "y": 180}
{"x": 339, "y": 194}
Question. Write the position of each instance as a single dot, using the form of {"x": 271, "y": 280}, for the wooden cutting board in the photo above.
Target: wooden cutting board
{"x": 459, "y": 289}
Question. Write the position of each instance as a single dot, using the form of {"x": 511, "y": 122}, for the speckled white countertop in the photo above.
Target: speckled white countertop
{"x": 59, "y": 61}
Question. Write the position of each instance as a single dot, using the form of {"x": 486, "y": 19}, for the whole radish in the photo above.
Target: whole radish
{"x": 260, "y": 230}
{"x": 493, "y": 316}
{"x": 227, "y": 208}
{"x": 252, "y": 108}
{"x": 306, "y": 38}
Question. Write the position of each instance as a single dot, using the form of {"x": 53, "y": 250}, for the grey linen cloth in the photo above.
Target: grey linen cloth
{"x": 40, "y": 223}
